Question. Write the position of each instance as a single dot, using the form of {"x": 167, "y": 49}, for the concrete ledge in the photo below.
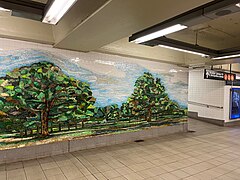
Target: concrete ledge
{"x": 218, "y": 122}
{"x": 33, "y": 152}
{"x": 51, "y": 149}
{"x": 111, "y": 139}
{"x": 194, "y": 115}
{"x": 232, "y": 123}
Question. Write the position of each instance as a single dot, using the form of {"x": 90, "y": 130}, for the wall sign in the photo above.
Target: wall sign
{"x": 233, "y": 83}
{"x": 217, "y": 75}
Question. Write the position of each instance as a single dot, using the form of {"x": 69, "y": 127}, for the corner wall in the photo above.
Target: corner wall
{"x": 206, "y": 97}
{"x": 209, "y": 100}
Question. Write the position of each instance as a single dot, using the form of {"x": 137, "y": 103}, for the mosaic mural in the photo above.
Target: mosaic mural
{"x": 45, "y": 97}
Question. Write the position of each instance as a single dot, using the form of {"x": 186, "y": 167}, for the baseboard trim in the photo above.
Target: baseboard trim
{"x": 194, "y": 115}
{"x": 232, "y": 123}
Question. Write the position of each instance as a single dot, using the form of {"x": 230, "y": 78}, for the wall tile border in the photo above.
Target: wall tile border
{"x": 56, "y": 148}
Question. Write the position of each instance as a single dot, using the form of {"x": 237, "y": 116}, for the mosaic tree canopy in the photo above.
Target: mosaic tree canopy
{"x": 40, "y": 100}
{"x": 149, "y": 97}
{"x": 42, "y": 92}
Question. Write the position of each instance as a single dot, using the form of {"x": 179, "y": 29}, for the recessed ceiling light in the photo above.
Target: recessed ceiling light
{"x": 160, "y": 33}
{"x": 57, "y": 10}
{"x": 238, "y": 5}
{"x": 183, "y": 50}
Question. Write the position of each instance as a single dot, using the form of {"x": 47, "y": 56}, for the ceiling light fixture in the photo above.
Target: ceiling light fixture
{"x": 160, "y": 33}
{"x": 226, "y": 57}
{"x": 184, "y": 50}
{"x": 5, "y": 10}
{"x": 155, "y": 35}
{"x": 57, "y": 10}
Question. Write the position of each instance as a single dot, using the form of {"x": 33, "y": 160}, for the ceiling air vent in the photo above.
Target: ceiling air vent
{"x": 223, "y": 12}
{"x": 215, "y": 11}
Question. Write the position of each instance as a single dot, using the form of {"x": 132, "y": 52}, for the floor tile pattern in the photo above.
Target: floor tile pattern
{"x": 211, "y": 152}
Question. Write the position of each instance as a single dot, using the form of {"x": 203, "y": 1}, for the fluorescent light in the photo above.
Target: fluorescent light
{"x": 160, "y": 33}
{"x": 105, "y": 62}
{"x": 75, "y": 59}
{"x": 173, "y": 71}
{"x": 5, "y": 10}
{"x": 183, "y": 50}
{"x": 227, "y": 57}
{"x": 57, "y": 10}
{"x": 238, "y": 5}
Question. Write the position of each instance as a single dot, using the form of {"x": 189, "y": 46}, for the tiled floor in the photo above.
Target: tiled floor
{"x": 212, "y": 152}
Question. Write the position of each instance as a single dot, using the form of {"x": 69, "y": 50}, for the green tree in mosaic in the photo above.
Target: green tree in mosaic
{"x": 149, "y": 93}
{"x": 14, "y": 117}
{"x": 111, "y": 112}
{"x": 99, "y": 114}
{"x": 126, "y": 111}
{"x": 44, "y": 91}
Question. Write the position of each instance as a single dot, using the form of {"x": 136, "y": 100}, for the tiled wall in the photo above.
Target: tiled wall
{"x": 95, "y": 67}
{"x": 112, "y": 80}
{"x": 209, "y": 92}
